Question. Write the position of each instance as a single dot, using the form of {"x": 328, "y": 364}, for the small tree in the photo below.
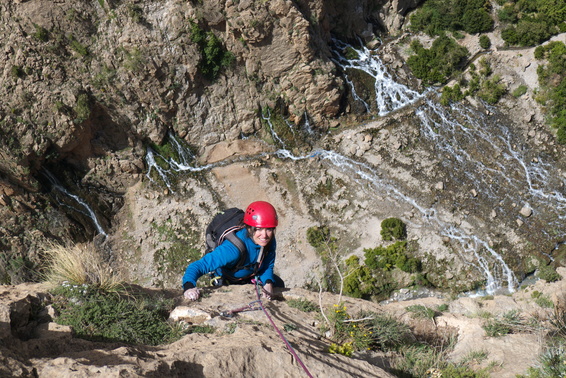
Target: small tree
{"x": 393, "y": 229}
{"x": 485, "y": 42}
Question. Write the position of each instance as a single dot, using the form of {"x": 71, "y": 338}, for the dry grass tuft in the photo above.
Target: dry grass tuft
{"x": 80, "y": 264}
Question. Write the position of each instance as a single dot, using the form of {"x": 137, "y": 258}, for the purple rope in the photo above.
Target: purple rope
{"x": 279, "y": 332}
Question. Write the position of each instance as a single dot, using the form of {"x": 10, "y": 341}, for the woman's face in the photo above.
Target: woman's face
{"x": 262, "y": 236}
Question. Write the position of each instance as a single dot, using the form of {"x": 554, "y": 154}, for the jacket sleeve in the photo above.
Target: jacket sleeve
{"x": 226, "y": 254}
{"x": 265, "y": 272}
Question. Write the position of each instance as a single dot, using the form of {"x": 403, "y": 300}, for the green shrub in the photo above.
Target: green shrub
{"x": 319, "y": 236}
{"x": 421, "y": 312}
{"x": 302, "y": 304}
{"x": 485, "y": 42}
{"x": 135, "y": 12}
{"x": 387, "y": 332}
{"x": 520, "y": 90}
{"x": 393, "y": 229}
{"x": 77, "y": 46}
{"x": 17, "y": 72}
{"x": 477, "y": 21}
{"x": 359, "y": 282}
{"x": 548, "y": 273}
{"x": 492, "y": 90}
{"x": 437, "y": 64}
{"x": 394, "y": 255}
{"x": 496, "y": 328}
{"x": 111, "y": 317}
{"x": 82, "y": 108}
{"x": 437, "y": 16}
{"x": 41, "y": 34}
{"x": 214, "y": 57}
{"x": 451, "y": 94}
{"x": 552, "y": 78}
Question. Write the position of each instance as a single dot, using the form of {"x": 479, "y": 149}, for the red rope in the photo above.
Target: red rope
{"x": 278, "y": 331}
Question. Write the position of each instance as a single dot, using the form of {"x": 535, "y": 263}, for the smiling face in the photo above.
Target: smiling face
{"x": 262, "y": 236}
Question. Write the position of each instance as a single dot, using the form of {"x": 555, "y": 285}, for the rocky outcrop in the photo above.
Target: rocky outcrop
{"x": 88, "y": 85}
{"x": 246, "y": 343}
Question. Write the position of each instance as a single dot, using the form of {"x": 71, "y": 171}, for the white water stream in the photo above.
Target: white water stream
{"x": 81, "y": 206}
{"x": 469, "y": 144}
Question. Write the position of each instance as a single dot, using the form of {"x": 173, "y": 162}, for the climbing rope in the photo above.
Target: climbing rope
{"x": 252, "y": 306}
{"x": 257, "y": 289}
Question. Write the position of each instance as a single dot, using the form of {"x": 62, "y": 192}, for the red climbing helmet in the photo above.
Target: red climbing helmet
{"x": 261, "y": 214}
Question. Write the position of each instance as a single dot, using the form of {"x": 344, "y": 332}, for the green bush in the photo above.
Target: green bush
{"x": 82, "y": 108}
{"x": 113, "y": 317}
{"x": 319, "y": 236}
{"x": 552, "y": 78}
{"x": 77, "y": 46}
{"x": 548, "y": 273}
{"x": 437, "y": 16}
{"x": 520, "y": 90}
{"x": 393, "y": 229}
{"x": 214, "y": 57}
{"x": 421, "y": 312}
{"x": 437, "y": 64}
{"x": 359, "y": 282}
{"x": 392, "y": 256}
{"x": 485, "y": 42}
{"x": 477, "y": 21}
{"x": 531, "y": 22}
{"x": 496, "y": 328}
{"x": 451, "y": 94}
{"x": 41, "y": 34}
{"x": 492, "y": 90}
{"x": 302, "y": 304}
{"x": 387, "y": 332}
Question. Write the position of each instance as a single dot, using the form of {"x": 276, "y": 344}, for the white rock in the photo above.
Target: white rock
{"x": 189, "y": 315}
{"x": 526, "y": 211}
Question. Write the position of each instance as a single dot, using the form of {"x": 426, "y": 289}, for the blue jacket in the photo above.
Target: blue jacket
{"x": 227, "y": 255}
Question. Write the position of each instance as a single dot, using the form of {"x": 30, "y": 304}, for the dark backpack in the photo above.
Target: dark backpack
{"x": 223, "y": 227}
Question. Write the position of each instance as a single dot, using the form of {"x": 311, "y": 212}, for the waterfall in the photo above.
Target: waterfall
{"x": 82, "y": 207}
{"x": 389, "y": 95}
{"x": 470, "y": 145}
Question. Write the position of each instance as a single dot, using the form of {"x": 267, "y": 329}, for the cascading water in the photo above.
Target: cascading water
{"x": 80, "y": 205}
{"x": 389, "y": 95}
{"x": 469, "y": 145}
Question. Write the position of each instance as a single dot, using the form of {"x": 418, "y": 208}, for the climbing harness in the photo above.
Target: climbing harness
{"x": 257, "y": 289}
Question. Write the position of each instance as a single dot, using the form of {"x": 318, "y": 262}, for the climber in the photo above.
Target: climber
{"x": 238, "y": 261}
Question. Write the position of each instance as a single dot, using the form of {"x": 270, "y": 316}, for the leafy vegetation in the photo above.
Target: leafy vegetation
{"x": 436, "y": 16}
{"x": 302, "y": 304}
{"x": 412, "y": 356}
{"x": 113, "y": 316}
{"x": 214, "y": 57}
{"x": 485, "y": 42}
{"x": 394, "y": 255}
{"x": 552, "y": 362}
{"x": 481, "y": 82}
{"x": 393, "y": 229}
{"x": 552, "y": 78}
{"x": 529, "y": 23}
{"x": 439, "y": 63}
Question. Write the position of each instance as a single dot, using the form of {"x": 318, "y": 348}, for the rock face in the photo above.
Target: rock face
{"x": 33, "y": 345}
{"x": 88, "y": 85}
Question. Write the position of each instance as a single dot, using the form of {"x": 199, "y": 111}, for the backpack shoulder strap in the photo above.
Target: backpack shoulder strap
{"x": 234, "y": 239}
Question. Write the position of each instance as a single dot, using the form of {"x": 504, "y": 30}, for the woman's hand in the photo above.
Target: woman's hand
{"x": 192, "y": 294}
{"x": 268, "y": 291}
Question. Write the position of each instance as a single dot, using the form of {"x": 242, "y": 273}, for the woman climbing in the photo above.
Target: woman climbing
{"x": 238, "y": 260}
